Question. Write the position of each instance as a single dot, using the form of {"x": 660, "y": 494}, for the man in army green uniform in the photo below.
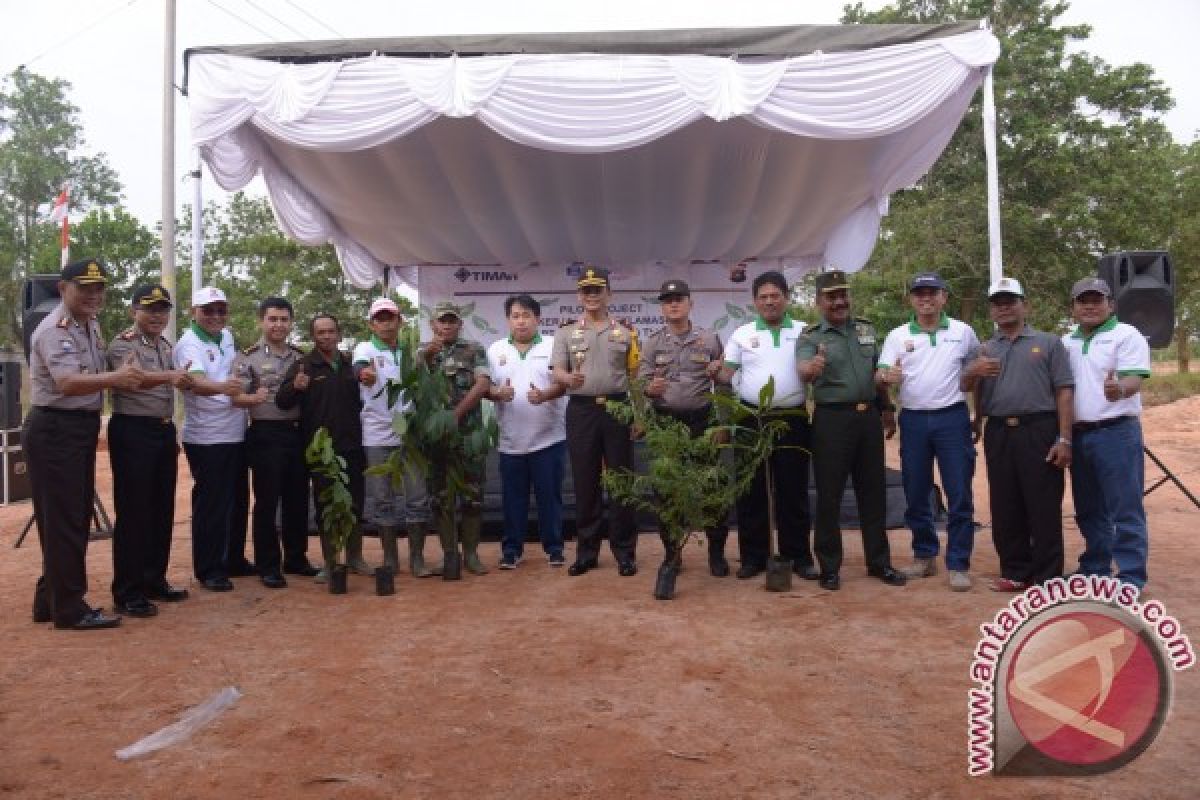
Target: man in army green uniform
{"x": 838, "y": 357}
{"x": 464, "y": 363}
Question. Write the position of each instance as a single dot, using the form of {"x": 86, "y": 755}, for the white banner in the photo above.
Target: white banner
{"x": 720, "y": 293}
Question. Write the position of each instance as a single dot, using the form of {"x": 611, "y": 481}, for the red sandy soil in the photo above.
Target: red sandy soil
{"x": 531, "y": 684}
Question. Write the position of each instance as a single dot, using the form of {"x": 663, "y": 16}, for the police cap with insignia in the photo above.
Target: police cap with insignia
{"x": 593, "y": 276}
{"x": 89, "y": 270}
{"x": 673, "y": 288}
{"x": 446, "y": 309}
{"x": 832, "y": 281}
{"x": 151, "y": 294}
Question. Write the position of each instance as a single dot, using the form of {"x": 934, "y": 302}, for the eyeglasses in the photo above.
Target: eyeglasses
{"x": 217, "y": 311}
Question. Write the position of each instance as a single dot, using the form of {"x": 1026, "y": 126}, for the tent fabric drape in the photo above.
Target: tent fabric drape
{"x": 517, "y": 159}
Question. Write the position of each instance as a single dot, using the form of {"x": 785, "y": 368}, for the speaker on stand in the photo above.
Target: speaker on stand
{"x": 1143, "y": 290}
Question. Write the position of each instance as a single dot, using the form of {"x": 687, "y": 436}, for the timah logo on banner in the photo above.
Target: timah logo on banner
{"x": 484, "y": 275}
{"x": 1075, "y": 677}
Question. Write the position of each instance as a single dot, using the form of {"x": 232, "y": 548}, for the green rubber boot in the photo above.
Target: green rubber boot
{"x": 416, "y": 555}
{"x": 472, "y": 525}
{"x": 391, "y": 552}
{"x": 354, "y": 556}
{"x": 448, "y": 535}
{"x": 330, "y": 558}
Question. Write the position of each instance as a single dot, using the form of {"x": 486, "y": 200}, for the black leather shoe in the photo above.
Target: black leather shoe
{"x": 242, "y": 569}
{"x": 580, "y": 567}
{"x": 806, "y": 571}
{"x": 137, "y": 608}
{"x": 218, "y": 584}
{"x": 41, "y": 615}
{"x": 93, "y": 619}
{"x": 304, "y": 569}
{"x": 627, "y": 569}
{"x": 831, "y": 582}
{"x": 718, "y": 566}
{"x": 273, "y": 580}
{"x": 749, "y": 569}
{"x": 167, "y": 593}
{"x": 889, "y": 576}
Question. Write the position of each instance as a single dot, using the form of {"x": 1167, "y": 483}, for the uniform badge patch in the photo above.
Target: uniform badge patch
{"x": 67, "y": 347}
{"x": 502, "y": 360}
{"x": 754, "y": 341}
{"x": 909, "y": 346}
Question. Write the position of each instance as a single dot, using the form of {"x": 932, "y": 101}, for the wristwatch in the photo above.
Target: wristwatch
{"x": 1063, "y": 440}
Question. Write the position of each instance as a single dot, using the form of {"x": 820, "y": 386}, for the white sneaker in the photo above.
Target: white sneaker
{"x": 921, "y": 568}
{"x": 960, "y": 581}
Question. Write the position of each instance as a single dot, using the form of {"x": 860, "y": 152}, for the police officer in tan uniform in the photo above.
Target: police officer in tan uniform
{"x": 67, "y": 378}
{"x": 465, "y": 365}
{"x": 679, "y": 363}
{"x": 594, "y": 357}
{"x": 274, "y": 448}
{"x": 144, "y": 451}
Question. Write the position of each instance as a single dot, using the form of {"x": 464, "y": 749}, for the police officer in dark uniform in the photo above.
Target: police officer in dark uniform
{"x": 838, "y": 357}
{"x": 465, "y": 365}
{"x": 594, "y": 357}
{"x": 144, "y": 450}
{"x": 324, "y": 387}
{"x": 275, "y": 448}
{"x": 68, "y": 379}
{"x": 679, "y": 364}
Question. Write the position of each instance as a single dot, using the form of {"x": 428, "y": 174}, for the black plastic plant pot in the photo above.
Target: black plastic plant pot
{"x": 664, "y": 585}
{"x": 385, "y": 581}
{"x": 452, "y": 567}
{"x": 337, "y": 579}
{"x": 779, "y": 574}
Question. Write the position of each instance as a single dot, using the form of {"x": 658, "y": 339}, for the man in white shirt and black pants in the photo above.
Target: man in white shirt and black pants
{"x": 530, "y": 410}
{"x": 1109, "y": 360}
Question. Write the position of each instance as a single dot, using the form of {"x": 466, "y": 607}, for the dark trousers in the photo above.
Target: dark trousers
{"x": 216, "y": 470}
{"x": 60, "y": 450}
{"x": 144, "y": 453}
{"x": 239, "y": 521}
{"x": 275, "y": 455}
{"x": 541, "y": 471}
{"x": 596, "y": 441}
{"x": 697, "y": 422}
{"x": 849, "y": 444}
{"x": 1025, "y": 493}
{"x": 356, "y": 464}
{"x": 789, "y": 478}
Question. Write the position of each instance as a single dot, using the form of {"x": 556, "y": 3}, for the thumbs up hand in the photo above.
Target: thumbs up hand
{"x": 1112, "y": 388}
{"x": 657, "y": 386}
{"x": 182, "y": 378}
{"x": 534, "y": 395}
{"x": 985, "y": 366}
{"x": 894, "y": 374}
{"x": 130, "y": 375}
{"x": 301, "y": 381}
{"x": 816, "y": 365}
{"x": 505, "y": 393}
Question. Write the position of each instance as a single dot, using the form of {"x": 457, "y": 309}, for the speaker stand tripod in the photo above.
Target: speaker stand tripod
{"x": 101, "y": 527}
{"x": 1167, "y": 475}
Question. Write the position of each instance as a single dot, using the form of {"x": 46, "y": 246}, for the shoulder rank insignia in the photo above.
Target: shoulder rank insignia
{"x": 127, "y": 334}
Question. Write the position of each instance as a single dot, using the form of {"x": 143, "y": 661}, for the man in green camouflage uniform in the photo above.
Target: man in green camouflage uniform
{"x": 465, "y": 365}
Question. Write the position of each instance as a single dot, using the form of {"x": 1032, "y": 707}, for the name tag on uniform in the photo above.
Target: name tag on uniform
{"x": 699, "y": 358}
{"x": 662, "y": 359}
{"x": 866, "y": 339}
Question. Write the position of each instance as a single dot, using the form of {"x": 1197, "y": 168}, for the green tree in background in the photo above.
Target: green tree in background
{"x": 41, "y": 139}
{"x": 1084, "y": 162}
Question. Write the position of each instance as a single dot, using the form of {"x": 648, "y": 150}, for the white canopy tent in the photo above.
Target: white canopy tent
{"x": 621, "y": 149}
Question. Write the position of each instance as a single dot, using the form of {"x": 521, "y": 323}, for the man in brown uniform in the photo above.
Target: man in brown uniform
{"x": 144, "y": 451}
{"x": 67, "y": 379}
{"x": 679, "y": 363}
{"x": 275, "y": 448}
{"x": 594, "y": 357}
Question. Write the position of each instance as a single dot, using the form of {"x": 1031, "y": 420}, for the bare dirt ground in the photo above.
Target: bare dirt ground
{"x": 531, "y": 684}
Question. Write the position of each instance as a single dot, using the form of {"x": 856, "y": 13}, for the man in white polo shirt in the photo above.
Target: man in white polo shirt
{"x": 213, "y": 431}
{"x": 376, "y": 361}
{"x": 756, "y": 352}
{"x": 530, "y": 410}
{"x": 1109, "y": 360}
{"x": 923, "y": 360}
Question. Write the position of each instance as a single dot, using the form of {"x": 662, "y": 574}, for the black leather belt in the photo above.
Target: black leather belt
{"x": 276, "y": 423}
{"x": 1083, "y": 427}
{"x": 1017, "y": 420}
{"x": 145, "y": 419}
{"x": 598, "y": 399}
{"x": 69, "y": 412}
{"x": 859, "y": 407}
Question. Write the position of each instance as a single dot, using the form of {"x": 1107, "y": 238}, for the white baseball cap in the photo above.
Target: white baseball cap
{"x": 209, "y": 294}
{"x": 382, "y": 304}
{"x": 1006, "y": 286}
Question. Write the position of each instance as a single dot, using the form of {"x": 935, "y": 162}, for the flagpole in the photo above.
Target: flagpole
{"x": 168, "y": 162}
{"x": 65, "y": 236}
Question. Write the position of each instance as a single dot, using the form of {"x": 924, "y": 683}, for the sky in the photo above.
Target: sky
{"x": 111, "y": 51}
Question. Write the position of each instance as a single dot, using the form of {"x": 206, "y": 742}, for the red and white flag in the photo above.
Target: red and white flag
{"x": 57, "y": 213}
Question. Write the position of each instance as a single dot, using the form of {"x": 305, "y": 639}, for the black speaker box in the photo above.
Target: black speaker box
{"x": 39, "y": 296}
{"x": 14, "y": 473}
{"x": 1143, "y": 287}
{"x": 10, "y": 394}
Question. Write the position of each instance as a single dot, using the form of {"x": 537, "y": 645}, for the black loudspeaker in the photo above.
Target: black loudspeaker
{"x": 14, "y": 472}
{"x": 10, "y": 395}
{"x": 39, "y": 296}
{"x": 1143, "y": 287}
